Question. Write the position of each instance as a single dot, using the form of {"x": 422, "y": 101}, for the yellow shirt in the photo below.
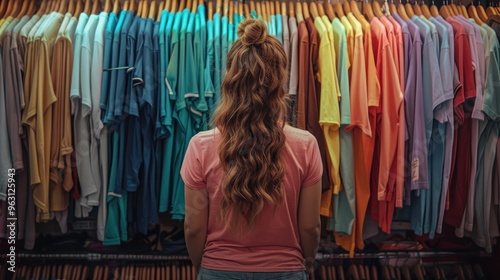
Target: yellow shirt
{"x": 39, "y": 115}
{"x": 329, "y": 113}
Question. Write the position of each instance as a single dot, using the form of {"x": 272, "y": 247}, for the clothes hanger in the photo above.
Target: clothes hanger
{"x": 210, "y": 10}
{"x": 357, "y": 13}
{"x": 45, "y": 11}
{"x": 401, "y": 10}
{"x": 454, "y": 8}
{"x": 482, "y": 13}
{"x": 189, "y": 4}
{"x": 270, "y": 9}
{"x": 24, "y": 9}
{"x": 368, "y": 11}
{"x": 126, "y": 5}
{"x": 434, "y": 10}
{"x": 313, "y": 9}
{"x": 283, "y": 8}
{"x": 464, "y": 10}
{"x": 32, "y": 8}
{"x": 116, "y": 7}
{"x": 3, "y": 8}
{"x": 490, "y": 11}
{"x": 329, "y": 10}
{"x": 62, "y": 8}
{"x": 376, "y": 9}
{"x": 152, "y": 10}
{"x": 416, "y": 8}
{"x": 425, "y": 10}
{"x": 252, "y": 6}
{"x": 14, "y": 9}
{"x": 168, "y": 5}
{"x": 339, "y": 11}
{"x": 474, "y": 15}
{"x": 258, "y": 9}
{"x": 392, "y": 8}
{"x": 41, "y": 10}
{"x": 182, "y": 5}
{"x": 107, "y": 6}
{"x": 305, "y": 11}
{"x": 71, "y": 7}
{"x": 226, "y": 8}
{"x": 175, "y": 7}
{"x": 87, "y": 8}
{"x": 346, "y": 7}
{"x": 95, "y": 7}
{"x": 321, "y": 10}
{"x": 10, "y": 8}
{"x": 409, "y": 10}
{"x": 300, "y": 15}
{"x": 445, "y": 11}
{"x": 140, "y": 8}
{"x": 269, "y": 12}
{"x": 263, "y": 7}
{"x": 145, "y": 9}
{"x": 247, "y": 11}
{"x": 277, "y": 8}
{"x": 231, "y": 12}
{"x": 218, "y": 6}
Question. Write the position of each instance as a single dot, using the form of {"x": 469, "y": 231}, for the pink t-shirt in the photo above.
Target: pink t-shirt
{"x": 273, "y": 245}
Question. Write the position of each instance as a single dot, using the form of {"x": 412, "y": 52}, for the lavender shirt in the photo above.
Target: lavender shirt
{"x": 414, "y": 109}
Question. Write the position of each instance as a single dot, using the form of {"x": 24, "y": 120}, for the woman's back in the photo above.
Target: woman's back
{"x": 273, "y": 244}
{"x": 253, "y": 184}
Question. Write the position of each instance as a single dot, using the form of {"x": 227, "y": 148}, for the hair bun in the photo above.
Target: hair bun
{"x": 252, "y": 32}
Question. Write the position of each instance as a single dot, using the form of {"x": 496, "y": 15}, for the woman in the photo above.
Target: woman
{"x": 253, "y": 183}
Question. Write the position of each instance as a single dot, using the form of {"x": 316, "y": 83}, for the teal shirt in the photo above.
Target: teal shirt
{"x": 200, "y": 53}
{"x": 166, "y": 190}
{"x": 230, "y": 39}
{"x": 161, "y": 131}
{"x": 218, "y": 56}
{"x": 224, "y": 43}
{"x": 173, "y": 65}
{"x": 209, "y": 68}
{"x": 272, "y": 26}
{"x": 236, "y": 20}
{"x": 279, "y": 28}
{"x": 344, "y": 202}
{"x": 187, "y": 90}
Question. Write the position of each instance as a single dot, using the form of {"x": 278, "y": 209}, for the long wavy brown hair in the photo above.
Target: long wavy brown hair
{"x": 251, "y": 117}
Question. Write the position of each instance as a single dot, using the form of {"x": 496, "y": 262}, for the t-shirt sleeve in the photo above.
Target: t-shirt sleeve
{"x": 191, "y": 170}
{"x": 314, "y": 164}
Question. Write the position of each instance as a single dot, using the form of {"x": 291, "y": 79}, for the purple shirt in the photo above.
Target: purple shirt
{"x": 414, "y": 108}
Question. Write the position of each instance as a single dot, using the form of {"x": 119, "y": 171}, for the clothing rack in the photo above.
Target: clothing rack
{"x": 97, "y": 257}
{"x": 403, "y": 254}
{"x": 319, "y": 256}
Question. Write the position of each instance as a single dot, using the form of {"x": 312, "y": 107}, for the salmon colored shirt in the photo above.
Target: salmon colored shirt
{"x": 360, "y": 127}
{"x": 274, "y": 244}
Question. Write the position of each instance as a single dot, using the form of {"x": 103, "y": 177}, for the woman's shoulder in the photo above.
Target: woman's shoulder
{"x": 205, "y": 138}
{"x": 297, "y": 135}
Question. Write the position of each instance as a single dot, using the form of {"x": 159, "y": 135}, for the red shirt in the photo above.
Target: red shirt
{"x": 463, "y": 105}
